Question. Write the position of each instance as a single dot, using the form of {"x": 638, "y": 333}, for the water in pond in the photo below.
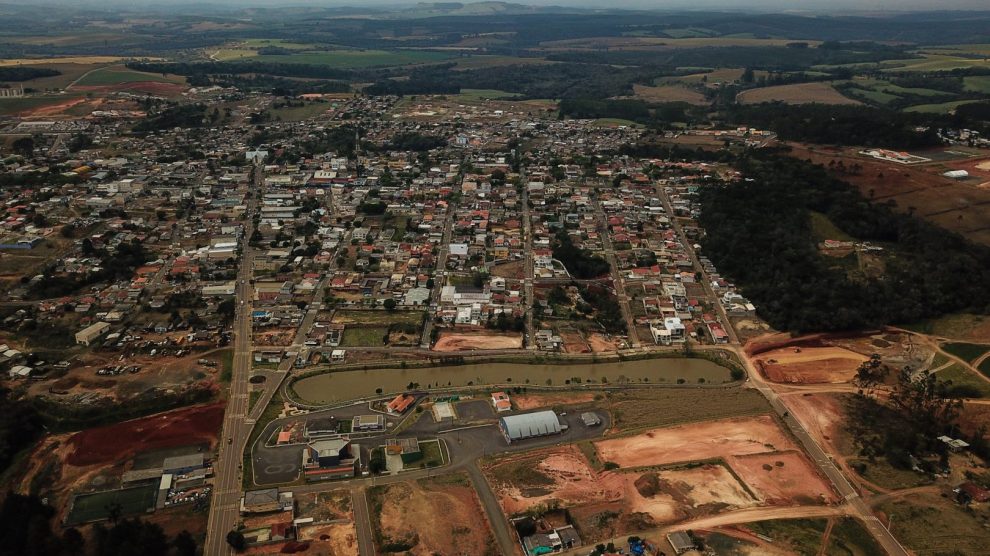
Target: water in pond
{"x": 347, "y": 385}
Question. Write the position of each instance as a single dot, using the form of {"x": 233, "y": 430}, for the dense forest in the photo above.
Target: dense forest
{"x": 175, "y": 115}
{"x": 581, "y": 263}
{"x": 759, "y": 234}
{"x": 838, "y": 125}
{"x": 26, "y": 73}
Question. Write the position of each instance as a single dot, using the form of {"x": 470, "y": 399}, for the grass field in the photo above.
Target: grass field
{"x": 95, "y": 506}
{"x": 300, "y": 113}
{"x": 377, "y": 317}
{"x": 802, "y": 536}
{"x": 639, "y": 409}
{"x": 849, "y": 536}
{"x": 965, "y": 351}
{"x": 887, "y": 476}
{"x": 935, "y": 62}
{"x": 15, "y": 105}
{"x": 669, "y": 93}
{"x": 364, "y": 337}
{"x": 801, "y": 93}
{"x": 878, "y": 97}
{"x": 927, "y": 524}
{"x": 483, "y": 94}
{"x": 616, "y": 122}
{"x": 961, "y": 376}
{"x": 476, "y": 62}
{"x": 940, "y": 108}
{"x": 60, "y": 60}
{"x": 961, "y": 326}
{"x": 822, "y": 228}
{"x": 357, "y": 58}
{"x": 977, "y": 83}
{"x": 116, "y": 75}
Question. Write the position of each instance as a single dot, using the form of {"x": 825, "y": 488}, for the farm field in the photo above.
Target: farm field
{"x": 939, "y": 108}
{"x": 10, "y": 106}
{"x": 977, "y": 83}
{"x": 60, "y": 60}
{"x": 430, "y": 516}
{"x": 69, "y": 73}
{"x": 668, "y": 93}
{"x": 356, "y": 58}
{"x": 485, "y": 61}
{"x": 800, "y": 93}
{"x": 116, "y": 75}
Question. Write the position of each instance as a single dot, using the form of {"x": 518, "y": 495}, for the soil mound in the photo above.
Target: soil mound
{"x": 648, "y": 485}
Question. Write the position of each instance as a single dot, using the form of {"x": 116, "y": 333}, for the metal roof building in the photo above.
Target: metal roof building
{"x": 529, "y": 425}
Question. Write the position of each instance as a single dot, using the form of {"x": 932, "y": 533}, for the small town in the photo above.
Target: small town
{"x": 363, "y": 323}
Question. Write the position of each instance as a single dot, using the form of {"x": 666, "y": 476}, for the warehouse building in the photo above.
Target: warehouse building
{"x": 86, "y": 336}
{"x": 529, "y": 425}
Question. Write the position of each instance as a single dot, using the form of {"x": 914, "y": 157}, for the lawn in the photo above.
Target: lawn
{"x": 364, "y": 337}
{"x": 95, "y": 506}
{"x": 226, "y": 365}
{"x": 267, "y": 416}
{"x": 432, "y": 456}
{"x": 357, "y": 58}
{"x": 965, "y": 351}
{"x": 115, "y": 75}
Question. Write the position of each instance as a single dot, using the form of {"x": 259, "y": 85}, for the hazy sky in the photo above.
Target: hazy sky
{"x": 745, "y": 5}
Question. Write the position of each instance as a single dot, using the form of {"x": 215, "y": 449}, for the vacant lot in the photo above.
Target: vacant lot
{"x": 929, "y": 524}
{"x": 356, "y": 58}
{"x": 115, "y": 443}
{"x": 639, "y": 409}
{"x": 810, "y": 365}
{"x": 471, "y": 341}
{"x": 430, "y": 516}
{"x": 377, "y": 317}
{"x": 699, "y": 441}
{"x": 800, "y": 93}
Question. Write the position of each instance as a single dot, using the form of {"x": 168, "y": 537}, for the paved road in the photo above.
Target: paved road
{"x": 617, "y": 280}
{"x": 362, "y": 522}
{"x": 440, "y": 275}
{"x": 500, "y": 527}
{"x": 225, "y": 505}
{"x": 529, "y": 296}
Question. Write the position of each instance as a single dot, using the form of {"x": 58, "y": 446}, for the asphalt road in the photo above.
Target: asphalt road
{"x": 225, "y": 504}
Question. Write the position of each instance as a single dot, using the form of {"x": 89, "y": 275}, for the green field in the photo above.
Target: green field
{"x": 878, "y": 97}
{"x": 927, "y": 524}
{"x": 364, "y": 337}
{"x": 300, "y": 113}
{"x": 822, "y": 228}
{"x": 977, "y": 83}
{"x": 961, "y": 376}
{"x": 116, "y": 75}
{"x": 849, "y": 536}
{"x": 941, "y": 108}
{"x": 965, "y": 351}
{"x": 95, "y": 506}
{"x": 14, "y": 105}
{"x": 357, "y": 58}
{"x": 482, "y": 94}
{"x": 802, "y": 536}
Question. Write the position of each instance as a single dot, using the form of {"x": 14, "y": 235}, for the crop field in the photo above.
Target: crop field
{"x": 668, "y": 93}
{"x": 357, "y": 58}
{"x": 483, "y": 61}
{"x": 936, "y": 62}
{"x": 60, "y": 60}
{"x": 116, "y": 75}
{"x": 95, "y": 506}
{"x": 648, "y": 43}
{"x": 800, "y": 93}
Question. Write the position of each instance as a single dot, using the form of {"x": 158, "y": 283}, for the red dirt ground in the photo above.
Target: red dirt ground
{"x": 471, "y": 341}
{"x": 813, "y": 365}
{"x": 698, "y": 441}
{"x": 114, "y": 443}
{"x": 535, "y": 401}
{"x": 795, "y": 480}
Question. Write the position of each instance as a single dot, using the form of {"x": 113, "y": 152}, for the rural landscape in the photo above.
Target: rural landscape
{"x": 494, "y": 279}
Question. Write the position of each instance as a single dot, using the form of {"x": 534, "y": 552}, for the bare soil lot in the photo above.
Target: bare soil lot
{"x": 810, "y": 365}
{"x": 536, "y": 401}
{"x": 783, "y": 478}
{"x": 694, "y": 442}
{"x": 431, "y": 516}
{"x": 470, "y": 341}
{"x": 120, "y": 441}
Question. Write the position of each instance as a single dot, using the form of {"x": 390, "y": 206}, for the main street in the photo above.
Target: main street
{"x": 617, "y": 281}
{"x": 225, "y": 504}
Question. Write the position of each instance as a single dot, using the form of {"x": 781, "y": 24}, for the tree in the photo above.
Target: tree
{"x": 24, "y": 146}
{"x": 184, "y": 544}
{"x": 923, "y": 400}
{"x": 430, "y": 283}
{"x": 870, "y": 374}
{"x": 236, "y": 541}
{"x": 390, "y": 305}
